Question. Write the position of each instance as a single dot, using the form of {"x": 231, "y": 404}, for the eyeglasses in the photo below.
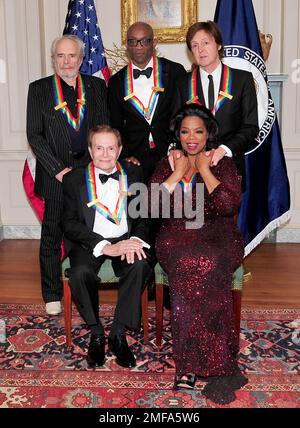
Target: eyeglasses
{"x": 143, "y": 42}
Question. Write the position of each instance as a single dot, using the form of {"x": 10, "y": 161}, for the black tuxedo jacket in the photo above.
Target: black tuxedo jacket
{"x": 78, "y": 219}
{"x": 237, "y": 118}
{"x": 48, "y": 134}
{"x": 132, "y": 125}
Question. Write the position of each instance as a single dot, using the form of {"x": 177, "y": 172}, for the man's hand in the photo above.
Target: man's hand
{"x": 133, "y": 160}
{"x": 130, "y": 255}
{"x": 173, "y": 155}
{"x": 60, "y": 175}
{"x": 219, "y": 153}
{"x": 127, "y": 248}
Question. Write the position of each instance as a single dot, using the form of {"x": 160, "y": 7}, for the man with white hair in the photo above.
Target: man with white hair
{"x": 60, "y": 111}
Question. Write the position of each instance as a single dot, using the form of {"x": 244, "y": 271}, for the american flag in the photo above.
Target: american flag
{"x": 81, "y": 20}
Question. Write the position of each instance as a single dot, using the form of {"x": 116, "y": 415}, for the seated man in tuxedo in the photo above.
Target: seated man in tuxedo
{"x": 96, "y": 227}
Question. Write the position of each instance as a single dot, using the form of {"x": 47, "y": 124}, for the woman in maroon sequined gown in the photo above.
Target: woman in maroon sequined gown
{"x": 200, "y": 262}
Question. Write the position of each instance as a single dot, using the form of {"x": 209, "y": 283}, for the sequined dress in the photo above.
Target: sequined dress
{"x": 200, "y": 264}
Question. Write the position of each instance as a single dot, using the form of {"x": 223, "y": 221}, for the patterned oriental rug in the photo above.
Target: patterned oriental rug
{"x": 38, "y": 370}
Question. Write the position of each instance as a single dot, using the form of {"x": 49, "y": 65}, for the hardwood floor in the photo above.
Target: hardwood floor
{"x": 275, "y": 270}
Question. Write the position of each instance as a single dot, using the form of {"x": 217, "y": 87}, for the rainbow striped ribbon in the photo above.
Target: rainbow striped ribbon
{"x": 114, "y": 217}
{"x": 224, "y": 94}
{"x": 62, "y": 105}
{"x": 187, "y": 185}
{"x": 158, "y": 87}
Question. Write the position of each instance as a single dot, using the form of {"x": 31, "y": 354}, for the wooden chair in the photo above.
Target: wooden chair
{"x": 161, "y": 279}
{"x": 106, "y": 278}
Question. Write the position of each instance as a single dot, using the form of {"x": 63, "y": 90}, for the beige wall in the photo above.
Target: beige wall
{"x": 27, "y": 28}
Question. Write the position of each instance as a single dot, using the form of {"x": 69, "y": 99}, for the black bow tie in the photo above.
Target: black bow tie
{"x": 105, "y": 177}
{"x": 137, "y": 73}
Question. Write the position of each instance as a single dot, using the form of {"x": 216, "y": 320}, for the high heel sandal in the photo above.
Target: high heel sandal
{"x": 188, "y": 383}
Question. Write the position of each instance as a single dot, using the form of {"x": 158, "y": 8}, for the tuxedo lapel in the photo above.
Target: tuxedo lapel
{"x": 57, "y": 114}
{"x": 200, "y": 89}
{"x": 128, "y": 104}
{"x": 88, "y": 213}
{"x": 89, "y": 100}
{"x": 226, "y": 89}
{"x": 131, "y": 178}
{"x": 162, "y": 95}
{"x": 222, "y": 77}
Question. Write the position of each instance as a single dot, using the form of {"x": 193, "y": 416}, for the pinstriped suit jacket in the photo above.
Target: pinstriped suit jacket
{"x": 48, "y": 134}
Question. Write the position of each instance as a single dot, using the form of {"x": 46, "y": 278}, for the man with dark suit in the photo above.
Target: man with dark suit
{"x": 96, "y": 227}
{"x": 142, "y": 99}
{"x": 60, "y": 110}
{"x": 228, "y": 92}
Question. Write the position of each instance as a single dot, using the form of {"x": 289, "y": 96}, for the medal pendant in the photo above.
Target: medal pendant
{"x": 147, "y": 113}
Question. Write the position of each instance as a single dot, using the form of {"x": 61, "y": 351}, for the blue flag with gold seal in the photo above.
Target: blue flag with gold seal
{"x": 266, "y": 201}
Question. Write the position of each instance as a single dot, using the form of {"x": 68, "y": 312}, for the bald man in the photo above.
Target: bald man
{"x": 142, "y": 98}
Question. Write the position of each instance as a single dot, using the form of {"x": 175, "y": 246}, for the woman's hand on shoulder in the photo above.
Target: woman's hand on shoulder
{"x": 203, "y": 160}
{"x": 173, "y": 155}
{"x": 181, "y": 165}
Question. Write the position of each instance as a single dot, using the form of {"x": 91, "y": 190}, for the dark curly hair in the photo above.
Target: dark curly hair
{"x": 203, "y": 113}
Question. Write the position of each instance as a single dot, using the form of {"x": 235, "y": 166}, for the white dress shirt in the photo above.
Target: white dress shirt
{"x": 216, "y": 74}
{"x": 142, "y": 88}
{"x": 108, "y": 193}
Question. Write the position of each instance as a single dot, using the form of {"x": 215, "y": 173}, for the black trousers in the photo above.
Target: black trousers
{"x": 84, "y": 286}
{"x": 51, "y": 238}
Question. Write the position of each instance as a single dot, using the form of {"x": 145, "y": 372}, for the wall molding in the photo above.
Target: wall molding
{"x": 282, "y": 235}
{"x": 21, "y": 232}
{"x": 288, "y": 236}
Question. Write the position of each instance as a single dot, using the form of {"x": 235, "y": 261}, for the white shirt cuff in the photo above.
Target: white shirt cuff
{"x": 227, "y": 150}
{"x": 143, "y": 242}
{"x": 97, "y": 251}
{"x": 172, "y": 146}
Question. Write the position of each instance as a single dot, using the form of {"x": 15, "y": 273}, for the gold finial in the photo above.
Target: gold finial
{"x": 266, "y": 43}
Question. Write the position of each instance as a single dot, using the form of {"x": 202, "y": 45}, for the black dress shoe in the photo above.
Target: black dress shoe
{"x": 119, "y": 347}
{"x": 96, "y": 351}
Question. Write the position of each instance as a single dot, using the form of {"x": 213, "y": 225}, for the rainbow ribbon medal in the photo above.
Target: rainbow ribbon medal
{"x": 187, "y": 185}
{"x": 158, "y": 87}
{"x": 95, "y": 203}
{"x": 224, "y": 94}
{"x": 192, "y": 88}
{"x": 61, "y": 104}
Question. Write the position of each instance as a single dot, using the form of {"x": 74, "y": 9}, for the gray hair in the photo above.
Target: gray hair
{"x": 71, "y": 37}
